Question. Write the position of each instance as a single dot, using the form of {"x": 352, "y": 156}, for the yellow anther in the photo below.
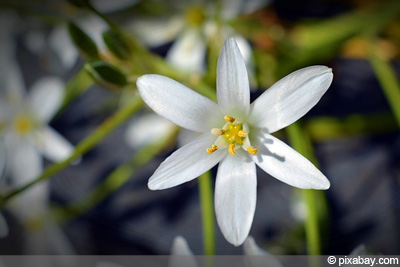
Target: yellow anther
{"x": 212, "y": 149}
{"x": 217, "y": 131}
{"x": 22, "y": 124}
{"x": 242, "y": 134}
{"x": 229, "y": 119}
{"x": 252, "y": 150}
{"x": 231, "y": 149}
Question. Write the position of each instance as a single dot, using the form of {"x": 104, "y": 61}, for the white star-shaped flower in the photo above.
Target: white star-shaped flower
{"x": 193, "y": 24}
{"x": 237, "y": 135}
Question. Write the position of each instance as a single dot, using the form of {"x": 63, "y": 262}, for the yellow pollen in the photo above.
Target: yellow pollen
{"x": 242, "y": 134}
{"x": 217, "y": 131}
{"x": 231, "y": 149}
{"x": 22, "y": 124}
{"x": 229, "y": 119}
{"x": 212, "y": 149}
{"x": 252, "y": 150}
{"x": 195, "y": 16}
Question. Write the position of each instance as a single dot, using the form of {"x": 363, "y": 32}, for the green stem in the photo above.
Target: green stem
{"x": 387, "y": 79}
{"x": 207, "y": 213}
{"x": 88, "y": 143}
{"x": 114, "y": 181}
{"x": 310, "y": 197}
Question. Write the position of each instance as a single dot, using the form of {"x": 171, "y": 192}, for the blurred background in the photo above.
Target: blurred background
{"x": 69, "y": 66}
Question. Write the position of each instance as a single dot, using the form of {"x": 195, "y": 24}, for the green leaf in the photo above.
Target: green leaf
{"x": 106, "y": 74}
{"x": 83, "y": 42}
{"x": 117, "y": 44}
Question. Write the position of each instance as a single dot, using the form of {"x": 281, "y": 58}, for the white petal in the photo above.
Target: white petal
{"x": 235, "y": 197}
{"x": 53, "y": 145}
{"x": 38, "y": 199}
{"x": 3, "y": 159}
{"x": 233, "y": 91}
{"x": 290, "y": 98}
{"x": 252, "y": 249}
{"x": 155, "y": 32}
{"x": 179, "y": 104}
{"x": 186, "y": 163}
{"x": 147, "y": 129}
{"x": 3, "y": 227}
{"x": 61, "y": 43}
{"x": 14, "y": 86}
{"x": 181, "y": 255}
{"x": 285, "y": 164}
{"x": 188, "y": 51}
{"x": 180, "y": 247}
{"x": 46, "y": 97}
{"x": 24, "y": 162}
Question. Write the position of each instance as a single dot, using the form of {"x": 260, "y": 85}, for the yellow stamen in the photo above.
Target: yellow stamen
{"x": 217, "y": 131}
{"x": 212, "y": 149}
{"x": 229, "y": 119}
{"x": 252, "y": 150}
{"x": 22, "y": 124}
{"x": 242, "y": 134}
{"x": 231, "y": 149}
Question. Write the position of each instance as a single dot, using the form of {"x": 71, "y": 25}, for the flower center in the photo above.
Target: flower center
{"x": 195, "y": 16}
{"x": 23, "y": 124}
{"x": 232, "y": 135}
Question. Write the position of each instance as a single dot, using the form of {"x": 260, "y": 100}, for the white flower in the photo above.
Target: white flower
{"x": 236, "y": 134}
{"x": 194, "y": 25}
{"x": 24, "y": 122}
{"x": 24, "y": 119}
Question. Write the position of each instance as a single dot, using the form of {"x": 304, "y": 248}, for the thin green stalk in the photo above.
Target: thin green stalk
{"x": 207, "y": 213}
{"x": 312, "y": 227}
{"x": 88, "y": 143}
{"x": 387, "y": 79}
{"x": 114, "y": 181}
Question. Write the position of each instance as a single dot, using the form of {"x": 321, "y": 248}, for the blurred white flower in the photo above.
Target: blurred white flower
{"x": 193, "y": 25}
{"x": 24, "y": 118}
{"x": 236, "y": 134}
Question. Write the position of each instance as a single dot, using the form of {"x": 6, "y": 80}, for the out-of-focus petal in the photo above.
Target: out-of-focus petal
{"x": 233, "y": 90}
{"x": 180, "y": 247}
{"x": 286, "y": 164}
{"x": 147, "y": 129}
{"x": 181, "y": 255}
{"x": 252, "y": 249}
{"x": 186, "y": 163}
{"x": 23, "y": 161}
{"x": 53, "y": 146}
{"x": 179, "y": 104}
{"x": 235, "y": 197}
{"x": 188, "y": 51}
{"x": 60, "y": 42}
{"x": 290, "y": 98}
{"x": 46, "y": 97}
{"x": 155, "y": 32}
